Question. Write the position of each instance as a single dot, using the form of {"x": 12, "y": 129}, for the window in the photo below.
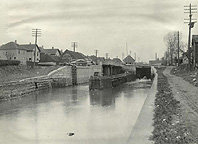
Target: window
{"x": 14, "y": 57}
{"x": 37, "y": 53}
{"x": 19, "y": 52}
{"x": 30, "y": 59}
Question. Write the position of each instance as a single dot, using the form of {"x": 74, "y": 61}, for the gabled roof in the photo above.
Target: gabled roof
{"x": 74, "y": 55}
{"x": 12, "y": 46}
{"x": 79, "y": 61}
{"x": 42, "y": 49}
{"x": 117, "y": 60}
{"x": 129, "y": 59}
{"x": 49, "y": 58}
{"x": 30, "y": 47}
{"x": 52, "y": 51}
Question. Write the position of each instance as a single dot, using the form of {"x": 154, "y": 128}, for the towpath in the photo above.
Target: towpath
{"x": 187, "y": 94}
{"x": 143, "y": 127}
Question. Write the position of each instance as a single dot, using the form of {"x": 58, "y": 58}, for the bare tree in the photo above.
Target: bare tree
{"x": 9, "y": 55}
{"x": 171, "y": 40}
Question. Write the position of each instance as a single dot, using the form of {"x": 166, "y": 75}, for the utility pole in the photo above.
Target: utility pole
{"x": 191, "y": 9}
{"x": 74, "y": 45}
{"x": 126, "y": 49}
{"x": 35, "y": 33}
{"x": 155, "y": 56}
{"x": 178, "y": 60}
{"x": 96, "y": 53}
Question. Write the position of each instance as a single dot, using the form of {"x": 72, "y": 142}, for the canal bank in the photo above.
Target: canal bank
{"x": 62, "y": 77}
{"x": 143, "y": 127}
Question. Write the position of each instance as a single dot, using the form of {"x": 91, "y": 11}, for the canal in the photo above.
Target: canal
{"x": 95, "y": 117}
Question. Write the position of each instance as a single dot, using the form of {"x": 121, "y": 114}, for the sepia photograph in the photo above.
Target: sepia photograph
{"x": 98, "y": 72}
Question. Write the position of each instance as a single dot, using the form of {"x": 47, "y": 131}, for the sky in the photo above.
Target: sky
{"x": 103, "y": 25}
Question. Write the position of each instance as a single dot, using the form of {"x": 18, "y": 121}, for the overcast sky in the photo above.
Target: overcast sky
{"x": 105, "y": 25}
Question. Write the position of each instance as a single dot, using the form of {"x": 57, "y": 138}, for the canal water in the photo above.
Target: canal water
{"x": 94, "y": 117}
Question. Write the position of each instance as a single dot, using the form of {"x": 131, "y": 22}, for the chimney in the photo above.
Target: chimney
{"x": 107, "y": 56}
{"x": 15, "y": 41}
{"x": 155, "y": 56}
{"x": 42, "y": 46}
{"x": 30, "y": 43}
{"x": 52, "y": 47}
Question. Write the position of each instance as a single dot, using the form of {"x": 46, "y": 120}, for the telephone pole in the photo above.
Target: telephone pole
{"x": 126, "y": 49}
{"x": 96, "y": 53}
{"x": 35, "y": 33}
{"x": 190, "y": 9}
{"x": 74, "y": 45}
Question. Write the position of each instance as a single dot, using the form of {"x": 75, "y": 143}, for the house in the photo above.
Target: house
{"x": 195, "y": 50}
{"x": 70, "y": 56}
{"x": 23, "y": 53}
{"x": 13, "y": 51}
{"x": 47, "y": 59}
{"x": 117, "y": 60}
{"x": 53, "y": 52}
{"x": 30, "y": 49}
{"x": 129, "y": 60}
{"x": 80, "y": 62}
{"x": 50, "y": 56}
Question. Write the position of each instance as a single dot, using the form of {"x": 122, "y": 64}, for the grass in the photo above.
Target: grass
{"x": 168, "y": 125}
{"x": 189, "y": 76}
{"x": 14, "y": 73}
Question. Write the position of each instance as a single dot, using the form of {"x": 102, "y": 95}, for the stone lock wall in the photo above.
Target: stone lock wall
{"x": 61, "y": 77}
{"x": 15, "y": 89}
{"x": 85, "y": 72}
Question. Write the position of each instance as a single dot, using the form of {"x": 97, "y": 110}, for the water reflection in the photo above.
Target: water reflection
{"x": 103, "y": 116}
{"x": 74, "y": 95}
{"x": 102, "y": 97}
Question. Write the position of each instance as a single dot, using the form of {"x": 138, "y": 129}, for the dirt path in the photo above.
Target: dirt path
{"x": 187, "y": 94}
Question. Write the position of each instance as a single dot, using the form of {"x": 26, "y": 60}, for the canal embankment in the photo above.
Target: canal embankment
{"x": 143, "y": 127}
{"x": 168, "y": 119}
{"x": 61, "y": 77}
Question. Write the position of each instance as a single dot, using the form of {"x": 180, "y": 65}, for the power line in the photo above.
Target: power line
{"x": 96, "y": 52}
{"x": 36, "y": 33}
{"x": 191, "y": 9}
{"x": 74, "y": 45}
{"x": 178, "y": 61}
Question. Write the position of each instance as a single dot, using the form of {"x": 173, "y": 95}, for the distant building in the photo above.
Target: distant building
{"x": 129, "y": 60}
{"x": 13, "y": 51}
{"x": 30, "y": 49}
{"x": 80, "y": 62}
{"x": 117, "y": 60}
{"x": 70, "y": 56}
{"x": 23, "y": 53}
{"x": 53, "y": 52}
{"x": 155, "y": 62}
{"x": 195, "y": 50}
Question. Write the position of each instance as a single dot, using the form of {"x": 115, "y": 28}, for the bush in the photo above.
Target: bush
{"x": 9, "y": 62}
